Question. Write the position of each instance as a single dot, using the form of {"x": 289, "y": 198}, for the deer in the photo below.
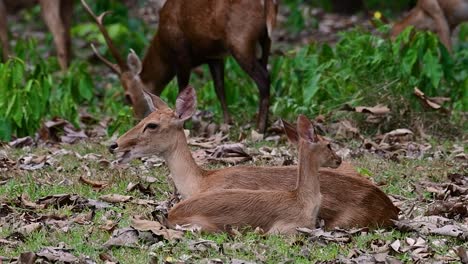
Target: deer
{"x": 273, "y": 211}
{"x": 439, "y": 16}
{"x": 349, "y": 200}
{"x": 57, "y": 15}
{"x": 192, "y": 33}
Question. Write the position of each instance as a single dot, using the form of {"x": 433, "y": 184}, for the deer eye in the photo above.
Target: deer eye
{"x": 151, "y": 126}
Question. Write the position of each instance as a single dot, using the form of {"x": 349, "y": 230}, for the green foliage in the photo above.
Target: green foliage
{"x": 361, "y": 69}
{"x": 126, "y": 32}
{"x": 295, "y": 22}
{"x": 29, "y": 93}
{"x": 364, "y": 68}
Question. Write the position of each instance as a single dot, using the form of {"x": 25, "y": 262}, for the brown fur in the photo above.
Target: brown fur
{"x": 439, "y": 16}
{"x": 57, "y": 15}
{"x": 349, "y": 200}
{"x": 192, "y": 33}
{"x": 274, "y": 211}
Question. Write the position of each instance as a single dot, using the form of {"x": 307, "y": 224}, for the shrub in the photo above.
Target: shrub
{"x": 29, "y": 93}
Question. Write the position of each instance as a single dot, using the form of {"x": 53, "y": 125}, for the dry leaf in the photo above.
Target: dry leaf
{"x": 115, "y": 198}
{"x": 21, "y": 142}
{"x": 84, "y": 218}
{"x": 95, "y": 184}
{"x": 127, "y": 237}
{"x": 376, "y": 110}
{"x": 24, "y": 199}
{"x": 57, "y": 254}
{"x": 108, "y": 226}
{"x": 28, "y": 229}
{"x": 156, "y": 228}
{"x": 433, "y": 103}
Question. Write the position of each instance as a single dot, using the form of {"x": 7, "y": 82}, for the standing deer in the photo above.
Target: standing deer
{"x": 192, "y": 33}
{"x": 348, "y": 199}
{"x": 274, "y": 211}
{"x": 57, "y": 15}
{"x": 439, "y": 16}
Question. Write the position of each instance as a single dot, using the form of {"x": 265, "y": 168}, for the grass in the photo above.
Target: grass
{"x": 87, "y": 240}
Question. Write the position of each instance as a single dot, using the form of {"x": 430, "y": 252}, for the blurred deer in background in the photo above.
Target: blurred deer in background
{"x": 192, "y": 33}
{"x": 274, "y": 211}
{"x": 57, "y": 15}
{"x": 349, "y": 200}
{"x": 439, "y": 16}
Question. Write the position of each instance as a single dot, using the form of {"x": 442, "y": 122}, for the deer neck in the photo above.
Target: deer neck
{"x": 308, "y": 183}
{"x": 157, "y": 70}
{"x": 185, "y": 172}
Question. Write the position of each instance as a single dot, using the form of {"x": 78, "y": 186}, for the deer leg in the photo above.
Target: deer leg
{"x": 66, "y": 14}
{"x": 432, "y": 8}
{"x": 217, "y": 72}
{"x": 4, "y": 31}
{"x": 183, "y": 75}
{"x": 249, "y": 63}
{"x": 51, "y": 13}
{"x": 265, "y": 43}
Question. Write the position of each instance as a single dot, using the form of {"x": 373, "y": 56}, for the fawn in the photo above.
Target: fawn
{"x": 274, "y": 211}
{"x": 348, "y": 200}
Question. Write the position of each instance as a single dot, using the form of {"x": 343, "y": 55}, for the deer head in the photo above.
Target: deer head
{"x": 159, "y": 132}
{"x": 306, "y": 133}
{"x": 128, "y": 71}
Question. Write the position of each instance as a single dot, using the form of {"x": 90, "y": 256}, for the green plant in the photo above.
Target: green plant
{"x": 126, "y": 32}
{"x": 366, "y": 68}
{"x": 29, "y": 93}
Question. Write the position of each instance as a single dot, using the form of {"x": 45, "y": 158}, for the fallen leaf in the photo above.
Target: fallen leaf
{"x": 84, "y": 218}
{"x": 28, "y": 229}
{"x": 57, "y": 254}
{"x": 95, "y": 184}
{"x": 115, "y": 198}
{"x": 71, "y": 136}
{"x": 127, "y": 237}
{"x": 21, "y": 142}
{"x": 24, "y": 199}
{"x": 433, "y": 103}
{"x": 156, "y": 228}
{"x": 108, "y": 226}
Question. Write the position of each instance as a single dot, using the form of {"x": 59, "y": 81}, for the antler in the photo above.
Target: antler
{"x": 121, "y": 65}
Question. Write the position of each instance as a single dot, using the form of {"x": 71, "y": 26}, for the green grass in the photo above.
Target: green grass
{"x": 87, "y": 240}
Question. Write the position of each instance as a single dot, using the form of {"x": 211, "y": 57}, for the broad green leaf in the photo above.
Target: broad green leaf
{"x": 432, "y": 69}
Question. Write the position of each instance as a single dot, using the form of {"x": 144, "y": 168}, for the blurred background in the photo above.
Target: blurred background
{"x": 328, "y": 57}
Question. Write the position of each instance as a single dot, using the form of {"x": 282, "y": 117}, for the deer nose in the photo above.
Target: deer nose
{"x": 113, "y": 146}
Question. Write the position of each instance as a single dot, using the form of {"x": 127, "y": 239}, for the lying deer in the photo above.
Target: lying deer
{"x": 348, "y": 200}
{"x": 57, "y": 15}
{"x": 274, "y": 211}
{"x": 440, "y": 16}
{"x": 192, "y": 33}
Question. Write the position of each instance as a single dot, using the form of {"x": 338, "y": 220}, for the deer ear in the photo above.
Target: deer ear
{"x": 134, "y": 63}
{"x": 290, "y": 132}
{"x": 186, "y": 103}
{"x": 154, "y": 102}
{"x": 305, "y": 129}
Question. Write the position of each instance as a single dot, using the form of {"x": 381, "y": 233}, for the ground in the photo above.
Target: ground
{"x": 69, "y": 224}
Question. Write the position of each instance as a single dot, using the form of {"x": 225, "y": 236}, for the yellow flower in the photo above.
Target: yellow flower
{"x": 377, "y": 15}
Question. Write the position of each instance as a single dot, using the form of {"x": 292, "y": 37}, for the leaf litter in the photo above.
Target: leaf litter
{"x": 443, "y": 214}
